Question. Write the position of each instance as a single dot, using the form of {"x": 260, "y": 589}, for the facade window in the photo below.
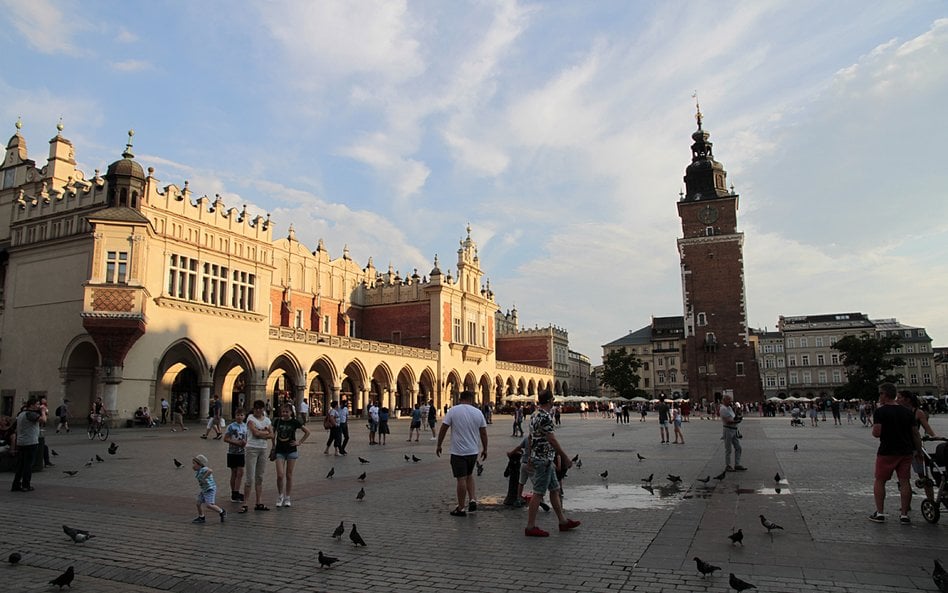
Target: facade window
{"x": 910, "y": 349}
{"x": 661, "y": 377}
{"x": 821, "y": 377}
{"x": 926, "y": 362}
{"x": 834, "y": 358}
{"x": 908, "y": 333}
{"x": 782, "y": 381}
{"x": 645, "y": 366}
{"x": 484, "y": 336}
{"x": 768, "y": 348}
{"x": 791, "y": 343}
{"x": 457, "y": 330}
{"x": 352, "y": 328}
{"x": 471, "y": 332}
{"x": 769, "y": 363}
{"x": 911, "y": 362}
{"x": 926, "y": 378}
{"x": 298, "y": 319}
{"x": 116, "y": 267}
{"x": 646, "y": 382}
{"x": 923, "y": 347}
{"x": 778, "y": 347}
{"x": 661, "y": 362}
{"x": 819, "y": 341}
{"x": 807, "y": 377}
{"x": 702, "y": 319}
{"x": 672, "y": 361}
{"x": 820, "y": 359}
{"x": 182, "y": 277}
{"x": 780, "y": 363}
{"x": 913, "y": 379}
{"x": 242, "y": 291}
{"x": 740, "y": 369}
{"x": 837, "y": 376}
{"x": 792, "y": 360}
{"x": 805, "y": 359}
{"x": 771, "y": 381}
{"x": 794, "y": 378}
{"x": 673, "y": 376}
{"x": 325, "y": 324}
{"x": 804, "y": 343}
{"x": 920, "y": 333}
{"x": 832, "y": 340}
{"x": 214, "y": 285}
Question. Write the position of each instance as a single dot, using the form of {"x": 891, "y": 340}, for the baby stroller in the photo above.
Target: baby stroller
{"x": 795, "y": 419}
{"x": 936, "y": 474}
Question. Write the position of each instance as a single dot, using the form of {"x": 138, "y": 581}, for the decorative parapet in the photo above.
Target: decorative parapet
{"x": 113, "y": 301}
{"x": 515, "y": 367}
{"x": 302, "y": 336}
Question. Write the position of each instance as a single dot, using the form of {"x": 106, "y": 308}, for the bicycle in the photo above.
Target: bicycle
{"x": 98, "y": 427}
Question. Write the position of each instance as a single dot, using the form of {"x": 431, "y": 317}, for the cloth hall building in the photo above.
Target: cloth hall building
{"x": 118, "y": 286}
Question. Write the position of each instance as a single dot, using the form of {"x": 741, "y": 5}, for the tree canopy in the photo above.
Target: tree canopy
{"x": 620, "y": 372}
{"x": 869, "y": 361}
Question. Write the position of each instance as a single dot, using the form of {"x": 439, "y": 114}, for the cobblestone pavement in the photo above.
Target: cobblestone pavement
{"x": 140, "y": 506}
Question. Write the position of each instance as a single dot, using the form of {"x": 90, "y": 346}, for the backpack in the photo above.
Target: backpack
{"x": 59, "y": 411}
{"x": 328, "y": 421}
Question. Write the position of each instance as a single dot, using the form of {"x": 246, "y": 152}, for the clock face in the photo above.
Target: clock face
{"x": 708, "y": 214}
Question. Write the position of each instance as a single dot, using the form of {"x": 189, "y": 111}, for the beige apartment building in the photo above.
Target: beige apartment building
{"x": 660, "y": 346}
{"x": 123, "y": 287}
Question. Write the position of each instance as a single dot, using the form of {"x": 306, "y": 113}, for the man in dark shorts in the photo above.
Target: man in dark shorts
{"x": 894, "y": 426}
{"x": 468, "y": 436}
{"x": 662, "y": 409}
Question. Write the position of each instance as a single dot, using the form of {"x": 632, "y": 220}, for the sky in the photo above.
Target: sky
{"x": 559, "y": 131}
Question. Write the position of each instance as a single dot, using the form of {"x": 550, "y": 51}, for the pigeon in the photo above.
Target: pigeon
{"x": 77, "y": 535}
{"x": 415, "y": 459}
{"x": 113, "y": 448}
{"x": 70, "y": 472}
{"x": 177, "y": 463}
{"x": 640, "y": 457}
{"x": 796, "y": 447}
{"x": 407, "y": 458}
{"x": 705, "y": 568}
{"x": 363, "y": 460}
{"x": 326, "y": 561}
{"x": 770, "y": 525}
{"x": 332, "y": 472}
{"x": 579, "y": 464}
{"x": 480, "y": 467}
{"x": 739, "y": 585}
{"x": 648, "y": 480}
{"x": 361, "y": 494}
{"x": 777, "y": 477}
{"x": 604, "y": 475}
{"x": 65, "y": 579}
{"x": 337, "y": 533}
{"x": 705, "y": 479}
{"x": 721, "y": 475}
{"x": 649, "y": 488}
{"x": 575, "y": 458}
{"x": 673, "y": 478}
{"x": 355, "y": 537}
{"x": 361, "y": 477}
{"x": 15, "y": 558}
{"x": 613, "y": 435}
{"x": 940, "y": 576}
{"x": 737, "y": 537}
{"x": 99, "y": 459}
{"x": 53, "y": 451}
{"x": 90, "y": 462}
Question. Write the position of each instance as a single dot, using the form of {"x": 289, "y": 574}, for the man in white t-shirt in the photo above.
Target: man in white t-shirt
{"x": 373, "y": 422}
{"x": 468, "y": 437}
{"x": 304, "y": 411}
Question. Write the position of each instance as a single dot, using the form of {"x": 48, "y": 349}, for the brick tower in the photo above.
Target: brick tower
{"x": 720, "y": 358}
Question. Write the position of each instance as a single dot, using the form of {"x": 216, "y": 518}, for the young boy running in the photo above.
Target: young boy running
{"x": 236, "y": 438}
{"x": 205, "y": 478}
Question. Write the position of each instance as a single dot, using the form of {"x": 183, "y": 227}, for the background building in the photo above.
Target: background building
{"x": 121, "y": 287}
{"x": 660, "y": 346}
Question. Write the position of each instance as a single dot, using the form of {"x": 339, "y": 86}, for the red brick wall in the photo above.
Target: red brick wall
{"x": 446, "y": 322}
{"x": 536, "y": 351}
{"x": 413, "y": 320}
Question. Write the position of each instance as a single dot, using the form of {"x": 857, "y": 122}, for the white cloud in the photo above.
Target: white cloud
{"x": 131, "y": 65}
{"x": 125, "y": 36}
{"x": 44, "y": 26}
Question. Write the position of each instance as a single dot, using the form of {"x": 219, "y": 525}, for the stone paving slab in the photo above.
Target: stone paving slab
{"x": 140, "y": 507}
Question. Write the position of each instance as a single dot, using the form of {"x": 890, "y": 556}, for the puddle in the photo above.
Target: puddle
{"x": 764, "y": 491}
{"x": 616, "y": 497}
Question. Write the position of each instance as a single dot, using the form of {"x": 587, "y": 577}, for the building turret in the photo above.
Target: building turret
{"x": 126, "y": 179}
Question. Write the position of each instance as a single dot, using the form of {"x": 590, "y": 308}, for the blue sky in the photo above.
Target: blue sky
{"x": 559, "y": 130}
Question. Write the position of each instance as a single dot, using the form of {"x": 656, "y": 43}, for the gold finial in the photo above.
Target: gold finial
{"x": 59, "y": 126}
{"x": 18, "y": 124}
{"x": 698, "y": 115}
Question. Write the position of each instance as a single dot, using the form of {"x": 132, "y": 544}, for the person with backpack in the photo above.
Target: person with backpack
{"x": 62, "y": 413}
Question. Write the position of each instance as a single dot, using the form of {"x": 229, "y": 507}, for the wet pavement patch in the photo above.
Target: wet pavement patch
{"x": 616, "y": 497}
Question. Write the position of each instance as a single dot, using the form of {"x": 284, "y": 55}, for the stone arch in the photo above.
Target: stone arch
{"x": 77, "y": 370}
{"x": 484, "y": 388}
{"x": 231, "y": 378}
{"x": 470, "y": 384}
{"x": 428, "y": 384}
{"x": 284, "y": 379}
{"x": 452, "y": 385}
{"x": 532, "y": 387}
{"x": 382, "y": 379}
{"x": 510, "y": 388}
{"x": 183, "y": 374}
{"x": 353, "y": 380}
{"x": 404, "y": 392}
{"x": 521, "y": 386}
{"x": 320, "y": 381}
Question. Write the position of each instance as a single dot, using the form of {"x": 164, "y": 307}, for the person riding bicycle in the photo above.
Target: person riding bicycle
{"x": 97, "y": 413}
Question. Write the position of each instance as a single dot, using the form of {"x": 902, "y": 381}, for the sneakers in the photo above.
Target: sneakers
{"x": 286, "y": 501}
{"x": 570, "y": 524}
{"x": 729, "y": 469}
{"x": 472, "y": 506}
{"x": 457, "y": 512}
{"x": 223, "y": 514}
{"x": 204, "y": 436}
{"x": 279, "y": 501}
{"x": 535, "y": 532}
{"x": 877, "y": 517}
{"x": 904, "y": 520}
{"x": 198, "y": 520}
{"x": 740, "y": 468}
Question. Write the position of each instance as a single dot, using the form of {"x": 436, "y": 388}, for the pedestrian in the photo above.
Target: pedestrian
{"x": 676, "y": 423}
{"x": 28, "y": 422}
{"x": 164, "y": 410}
{"x": 331, "y": 423}
{"x": 236, "y": 438}
{"x": 468, "y": 438}
{"x": 834, "y": 408}
{"x": 518, "y": 420}
{"x": 383, "y": 425}
{"x": 343, "y": 421}
{"x": 894, "y": 426}
{"x": 259, "y": 432}
{"x": 214, "y": 418}
{"x": 178, "y": 415}
{"x": 432, "y": 419}
{"x": 304, "y": 411}
{"x": 544, "y": 448}
{"x": 732, "y": 434}
{"x": 662, "y": 408}
{"x": 286, "y": 451}
{"x": 62, "y": 414}
{"x": 910, "y": 401}
{"x": 373, "y": 422}
{"x": 556, "y": 414}
{"x": 206, "y": 497}
{"x": 415, "y": 427}
{"x": 643, "y": 412}
{"x": 814, "y": 418}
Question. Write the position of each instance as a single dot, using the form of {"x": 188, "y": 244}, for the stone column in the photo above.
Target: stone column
{"x": 205, "y": 404}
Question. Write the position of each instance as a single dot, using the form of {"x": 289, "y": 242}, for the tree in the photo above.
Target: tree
{"x": 620, "y": 372}
{"x": 869, "y": 361}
